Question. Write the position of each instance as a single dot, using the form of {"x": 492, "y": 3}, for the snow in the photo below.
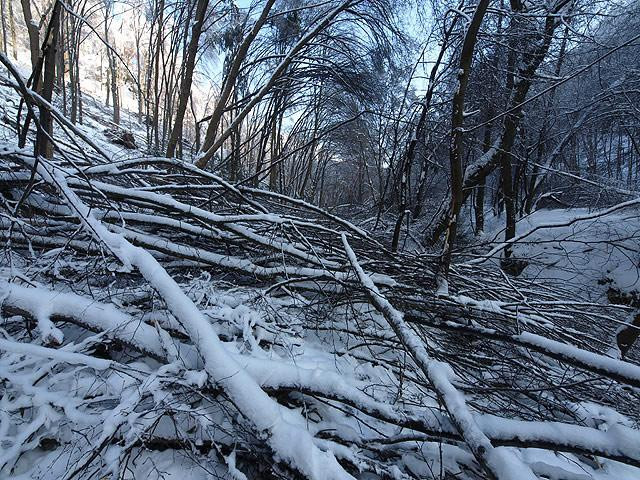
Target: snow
{"x": 600, "y": 363}
{"x": 500, "y": 462}
{"x": 196, "y": 378}
{"x": 274, "y": 373}
{"x": 288, "y": 435}
{"x": 96, "y": 316}
{"x": 233, "y": 471}
{"x": 586, "y": 251}
{"x": 59, "y": 355}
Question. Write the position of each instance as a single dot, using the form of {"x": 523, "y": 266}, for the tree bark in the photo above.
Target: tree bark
{"x": 212, "y": 144}
{"x": 457, "y": 138}
{"x": 3, "y": 14}
{"x": 34, "y": 39}
{"x": 156, "y": 75}
{"x": 113, "y": 72}
{"x": 230, "y": 79}
{"x": 478, "y": 172}
{"x": 43, "y": 146}
{"x": 187, "y": 79}
{"x": 12, "y": 29}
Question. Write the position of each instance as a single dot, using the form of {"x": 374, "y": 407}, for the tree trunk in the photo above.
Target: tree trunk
{"x": 187, "y": 79}
{"x": 457, "y": 137}
{"x": 230, "y": 78}
{"x": 478, "y": 201}
{"x": 138, "y": 76}
{"x": 12, "y": 29}
{"x": 275, "y": 147}
{"x": 156, "y": 78}
{"x": 72, "y": 70}
{"x": 34, "y": 39}
{"x": 43, "y": 146}
{"x": 508, "y": 195}
{"x": 115, "y": 94}
{"x": 62, "y": 67}
{"x": 113, "y": 73}
{"x": 107, "y": 79}
{"x": 3, "y": 14}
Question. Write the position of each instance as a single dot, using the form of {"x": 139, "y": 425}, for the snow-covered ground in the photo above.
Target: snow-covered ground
{"x": 585, "y": 256}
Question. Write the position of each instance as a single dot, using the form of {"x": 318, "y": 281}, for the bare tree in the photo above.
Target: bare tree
{"x": 187, "y": 78}
{"x": 455, "y": 151}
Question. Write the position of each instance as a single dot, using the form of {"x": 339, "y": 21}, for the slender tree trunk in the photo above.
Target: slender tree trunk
{"x": 115, "y": 94}
{"x": 187, "y": 79}
{"x": 43, "y": 146}
{"x": 107, "y": 102}
{"x": 230, "y": 78}
{"x": 113, "y": 72}
{"x": 273, "y": 167}
{"x": 34, "y": 39}
{"x": 61, "y": 65}
{"x": 478, "y": 201}
{"x": 156, "y": 77}
{"x": 72, "y": 70}
{"x": 508, "y": 196}
{"x": 619, "y": 156}
{"x": 78, "y": 89}
{"x": 457, "y": 138}
{"x": 3, "y": 13}
{"x": 138, "y": 76}
{"x": 12, "y": 29}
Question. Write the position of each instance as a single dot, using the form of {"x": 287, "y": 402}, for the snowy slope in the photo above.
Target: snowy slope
{"x": 586, "y": 257}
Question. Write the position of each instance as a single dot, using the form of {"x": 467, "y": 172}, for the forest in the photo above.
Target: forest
{"x": 320, "y": 239}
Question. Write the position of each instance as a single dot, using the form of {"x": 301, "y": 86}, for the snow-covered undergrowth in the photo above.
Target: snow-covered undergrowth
{"x": 158, "y": 322}
{"x": 591, "y": 255}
